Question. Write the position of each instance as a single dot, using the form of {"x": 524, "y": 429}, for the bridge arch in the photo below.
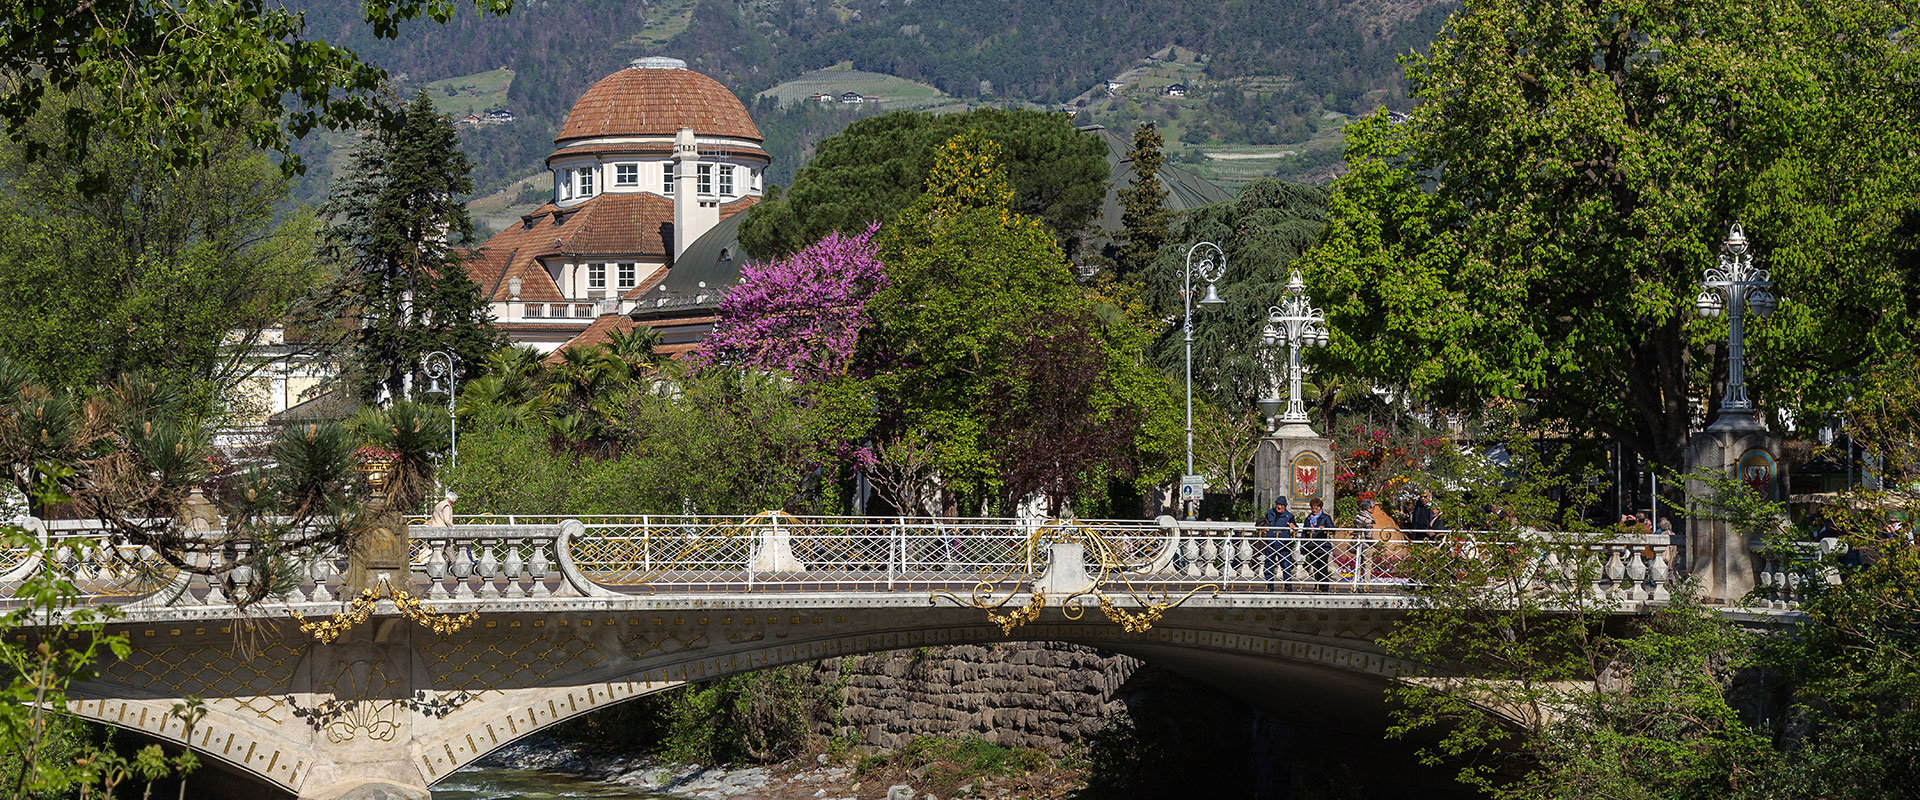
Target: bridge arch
{"x": 395, "y": 706}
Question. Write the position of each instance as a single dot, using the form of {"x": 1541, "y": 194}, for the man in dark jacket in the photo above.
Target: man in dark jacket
{"x": 1275, "y": 553}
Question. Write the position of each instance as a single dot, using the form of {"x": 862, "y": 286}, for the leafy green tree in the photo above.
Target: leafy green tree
{"x": 185, "y": 78}
{"x": 878, "y": 166}
{"x": 398, "y": 224}
{"x": 171, "y": 272}
{"x": 1143, "y": 209}
{"x": 1538, "y": 228}
{"x": 973, "y": 286}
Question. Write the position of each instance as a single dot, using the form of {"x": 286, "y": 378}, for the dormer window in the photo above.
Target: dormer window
{"x": 666, "y": 184}
{"x": 704, "y": 182}
{"x": 626, "y": 174}
{"x": 726, "y": 180}
{"x": 586, "y": 183}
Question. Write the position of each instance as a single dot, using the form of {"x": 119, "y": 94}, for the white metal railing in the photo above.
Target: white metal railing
{"x": 505, "y": 558}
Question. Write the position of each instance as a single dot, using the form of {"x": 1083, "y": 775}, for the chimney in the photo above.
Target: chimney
{"x": 686, "y": 199}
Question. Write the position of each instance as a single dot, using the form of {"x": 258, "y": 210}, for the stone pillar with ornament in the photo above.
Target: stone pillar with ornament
{"x": 1737, "y": 443}
{"x": 381, "y": 555}
{"x": 1293, "y": 460}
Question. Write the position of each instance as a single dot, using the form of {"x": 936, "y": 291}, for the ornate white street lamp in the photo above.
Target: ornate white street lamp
{"x": 1735, "y": 285}
{"x": 1301, "y": 325}
{"x": 1210, "y": 267}
{"x": 441, "y": 365}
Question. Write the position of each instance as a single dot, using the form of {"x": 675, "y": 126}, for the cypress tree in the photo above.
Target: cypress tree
{"x": 1143, "y": 206}
{"x": 397, "y": 226}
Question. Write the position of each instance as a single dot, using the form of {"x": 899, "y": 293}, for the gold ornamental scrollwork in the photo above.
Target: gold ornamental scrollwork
{"x": 1115, "y": 571}
{"x": 361, "y": 608}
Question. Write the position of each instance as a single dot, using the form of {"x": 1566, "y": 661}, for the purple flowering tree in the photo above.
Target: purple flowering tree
{"x": 804, "y": 313}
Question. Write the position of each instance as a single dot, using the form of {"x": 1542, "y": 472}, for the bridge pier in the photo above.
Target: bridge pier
{"x": 368, "y": 790}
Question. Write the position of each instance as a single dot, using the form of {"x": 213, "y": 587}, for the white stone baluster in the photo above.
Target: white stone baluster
{"x": 1210, "y": 554}
{"x": 462, "y": 569}
{"x": 1660, "y": 575}
{"x": 1636, "y": 575}
{"x": 1248, "y": 567}
{"x": 436, "y": 571}
{"x": 215, "y": 596}
{"x": 514, "y": 566}
{"x": 489, "y": 568}
{"x": 1190, "y": 552}
{"x": 538, "y": 569}
{"x": 317, "y": 571}
{"x": 1615, "y": 574}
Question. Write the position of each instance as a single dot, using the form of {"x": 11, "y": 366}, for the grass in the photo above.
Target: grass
{"x": 951, "y": 763}
{"x": 667, "y": 18}
{"x": 894, "y": 92}
{"x": 503, "y": 208}
{"x": 471, "y": 94}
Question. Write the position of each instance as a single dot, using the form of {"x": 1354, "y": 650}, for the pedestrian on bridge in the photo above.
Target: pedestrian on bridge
{"x": 1319, "y": 524}
{"x": 1275, "y": 527}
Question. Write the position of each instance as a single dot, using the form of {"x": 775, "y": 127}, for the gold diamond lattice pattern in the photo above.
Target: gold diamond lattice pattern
{"x": 252, "y": 681}
{"x": 481, "y": 663}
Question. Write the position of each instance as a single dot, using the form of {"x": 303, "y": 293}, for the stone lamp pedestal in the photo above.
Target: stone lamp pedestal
{"x": 1718, "y": 556}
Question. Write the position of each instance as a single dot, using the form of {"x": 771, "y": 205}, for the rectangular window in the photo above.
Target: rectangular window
{"x": 667, "y": 175}
{"x": 726, "y": 180}
{"x": 626, "y": 174}
{"x": 704, "y": 184}
{"x": 596, "y": 276}
{"x": 627, "y": 278}
{"x": 566, "y": 184}
{"x": 586, "y": 183}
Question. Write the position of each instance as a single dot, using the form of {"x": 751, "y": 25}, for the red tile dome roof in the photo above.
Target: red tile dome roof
{"x": 657, "y": 96}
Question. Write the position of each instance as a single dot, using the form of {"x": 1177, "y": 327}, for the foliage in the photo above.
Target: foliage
{"x": 947, "y": 764}
{"x": 1263, "y": 232}
{"x": 759, "y": 716}
{"x": 417, "y": 436}
{"x": 801, "y": 314}
{"x": 1386, "y": 461}
{"x": 186, "y": 76}
{"x": 713, "y": 440}
{"x": 959, "y": 340}
{"x": 1509, "y": 647}
{"x": 47, "y": 642}
{"x": 403, "y": 292}
{"x": 172, "y": 271}
{"x": 1538, "y": 229}
{"x": 879, "y": 166}
{"x": 128, "y": 454}
{"x": 1143, "y": 210}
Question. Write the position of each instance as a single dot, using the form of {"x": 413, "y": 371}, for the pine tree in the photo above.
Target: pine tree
{"x": 397, "y": 221}
{"x": 1143, "y": 206}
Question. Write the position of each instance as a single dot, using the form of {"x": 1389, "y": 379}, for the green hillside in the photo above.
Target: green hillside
{"x": 1272, "y": 77}
{"x": 471, "y": 94}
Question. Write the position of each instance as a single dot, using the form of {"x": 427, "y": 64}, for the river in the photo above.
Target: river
{"x": 522, "y": 784}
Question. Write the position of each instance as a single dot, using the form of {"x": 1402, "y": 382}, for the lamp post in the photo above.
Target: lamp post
{"x": 438, "y": 365}
{"x": 1210, "y": 267}
{"x": 1301, "y": 325}
{"x": 1733, "y": 285}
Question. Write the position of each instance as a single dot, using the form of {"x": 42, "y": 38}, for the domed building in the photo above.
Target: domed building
{"x": 651, "y": 171}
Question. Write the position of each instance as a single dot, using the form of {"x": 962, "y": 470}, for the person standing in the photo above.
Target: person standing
{"x": 1319, "y": 524}
{"x": 1276, "y": 526}
{"x": 1420, "y": 523}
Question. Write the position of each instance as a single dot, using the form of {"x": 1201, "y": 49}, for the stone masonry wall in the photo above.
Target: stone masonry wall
{"x": 1040, "y": 695}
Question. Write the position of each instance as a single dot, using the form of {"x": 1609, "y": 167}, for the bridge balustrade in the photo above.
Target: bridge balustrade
{"x": 484, "y": 560}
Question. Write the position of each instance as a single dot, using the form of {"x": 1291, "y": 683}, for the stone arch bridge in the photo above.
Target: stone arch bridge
{"x": 509, "y": 625}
